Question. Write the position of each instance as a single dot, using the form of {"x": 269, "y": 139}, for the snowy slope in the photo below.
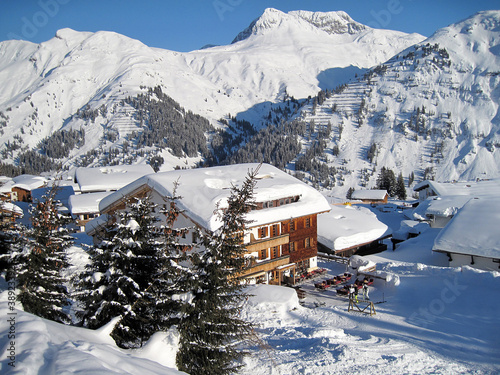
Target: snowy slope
{"x": 44, "y": 85}
{"x": 432, "y": 109}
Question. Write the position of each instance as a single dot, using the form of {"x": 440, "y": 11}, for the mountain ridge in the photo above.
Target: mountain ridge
{"x": 94, "y": 73}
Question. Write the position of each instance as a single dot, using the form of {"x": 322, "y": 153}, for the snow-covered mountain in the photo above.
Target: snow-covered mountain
{"x": 431, "y": 110}
{"x": 45, "y": 85}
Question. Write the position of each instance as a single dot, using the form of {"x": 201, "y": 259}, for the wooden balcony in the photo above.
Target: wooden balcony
{"x": 267, "y": 243}
{"x": 267, "y": 265}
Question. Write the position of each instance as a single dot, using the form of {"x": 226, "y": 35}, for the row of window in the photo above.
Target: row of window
{"x": 276, "y": 203}
{"x": 276, "y": 250}
{"x": 275, "y": 228}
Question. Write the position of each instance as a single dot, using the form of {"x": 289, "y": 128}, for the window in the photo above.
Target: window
{"x": 263, "y": 232}
{"x": 307, "y": 242}
{"x": 282, "y": 202}
{"x": 292, "y": 247}
{"x": 263, "y": 254}
{"x": 275, "y": 230}
{"x": 308, "y": 222}
{"x": 275, "y": 252}
{"x": 292, "y": 226}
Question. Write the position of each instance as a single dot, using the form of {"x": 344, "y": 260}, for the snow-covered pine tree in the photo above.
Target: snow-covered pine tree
{"x": 211, "y": 333}
{"x": 38, "y": 267}
{"x": 136, "y": 274}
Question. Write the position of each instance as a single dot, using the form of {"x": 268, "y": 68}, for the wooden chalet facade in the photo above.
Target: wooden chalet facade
{"x": 281, "y": 240}
{"x": 370, "y": 196}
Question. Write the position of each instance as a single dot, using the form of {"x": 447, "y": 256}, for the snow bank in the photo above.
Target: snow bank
{"x": 272, "y": 297}
{"x": 43, "y": 347}
{"x": 360, "y": 263}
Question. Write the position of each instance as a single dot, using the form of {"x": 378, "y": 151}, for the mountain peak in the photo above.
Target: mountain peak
{"x": 338, "y": 22}
{"x": 330, "y": 22}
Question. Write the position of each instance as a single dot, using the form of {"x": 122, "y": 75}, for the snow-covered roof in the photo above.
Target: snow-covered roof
{"x": 369, "y": 194}
{"x": 202, "y": 190}
{"x": 474, "y": 230}
{"x": 86, "y": 203}
{"x": 452, "y": 196}
{"x": 445, "y": 206}
{"x": 109, "y": 178}
{"x": 409, "y": 227}
{"x": 471, "y": 188}
{"x": 348, "y": 226}
{"x": 6, "y": 184}
{"x": 28, "y": 182}
{"x": 11, "y": 207}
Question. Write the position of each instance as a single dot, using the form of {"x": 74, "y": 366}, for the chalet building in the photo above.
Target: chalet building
{"x": 281, "y": 240}
{"x": 9, "y": 212}
{"x": 370, "y": 196}
{"x": 440, "y": 202}
{"x": 85, "y": 207}
{"x": 23, "y": 185}
{"x": 472, "y": 238}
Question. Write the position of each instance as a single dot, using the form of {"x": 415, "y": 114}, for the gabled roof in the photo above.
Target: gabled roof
{"x": 473, "y": 231}
{"x": 203, "y": 190}
{"x": 369, "y": 194}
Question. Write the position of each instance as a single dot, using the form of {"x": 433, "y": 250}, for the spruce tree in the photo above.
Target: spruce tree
{"x": 349, "y": 193}
{"x": 38, "y": 267}
{"x": 135, "y": 274}
{"x": 211, "y": 331}
{"x": 400, "y": 189}
{"x": 386, "y": 180}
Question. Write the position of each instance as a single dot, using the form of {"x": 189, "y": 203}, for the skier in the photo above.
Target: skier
{"x": 365, "y": 291}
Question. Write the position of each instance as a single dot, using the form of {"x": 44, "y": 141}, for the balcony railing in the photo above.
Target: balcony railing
{"x": 267, "y": 265}
{"x": 267, "y": 243}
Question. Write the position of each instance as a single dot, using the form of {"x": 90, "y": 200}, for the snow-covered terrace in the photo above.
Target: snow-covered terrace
{"x": 203, "y": 190}
{"x": 347, "y": 226}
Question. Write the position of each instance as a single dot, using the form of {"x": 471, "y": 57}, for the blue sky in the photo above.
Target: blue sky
{"x": 184, "y": 25}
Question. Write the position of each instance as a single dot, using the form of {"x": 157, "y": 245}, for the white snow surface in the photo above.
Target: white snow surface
{"x": 347, "y": 226}
{"x": 86, "y": 203}
{"x": 28, "y": 182}
{"x": 109, "y": 178}
{"x": 474, "y": 230}
{"x": 438, "y": 320}
{"x": 202, "y": 190}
